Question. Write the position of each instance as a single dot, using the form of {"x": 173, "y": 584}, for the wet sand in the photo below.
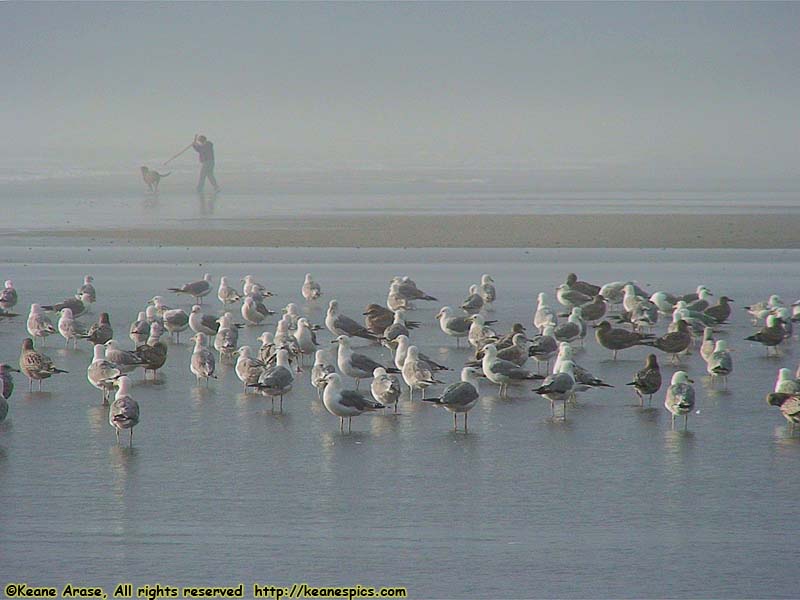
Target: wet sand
{"x": 460, "y": 231}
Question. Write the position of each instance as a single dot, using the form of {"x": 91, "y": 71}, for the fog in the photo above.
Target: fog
{"x": 623, "y": 92}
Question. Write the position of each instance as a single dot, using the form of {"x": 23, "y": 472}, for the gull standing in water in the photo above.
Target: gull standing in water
{"x": 140, "y": 329}
{"x": 227, "y": 337}
{"x": 100, "y": 332}
{"x": 401, "y": 351}
{"x": 36, "y": 365}
{"x": 680, "y": 397}
{"x": 8, "y": 295}
{"x": 202, "y": 364}
{"x": 200, "y": 323}
{"x": 616, "y": 339}
{"x": 196, "y": 289}
{"x": 126, "y": 360}
{"x": 583, "y": 287}
{"x": 503, "y": 372}
{"x": 6, "y": 388}
{"x": 278, "y": 379}
{"x": 460, "y": 397}
{"x": 345, "y": 403}
{"x": 175, "y": 321}
{"x": 39, "y": 325}
{"x": 124, "y": 411}
{"x": 720, "y": 363}
{"x": 474, "y": 302}
{"x": 584, "y": 380}
{"x": 544, "y": 314}
{"x": 78, "y": 306}
{"x": 69, "y": 328}
{"x": 227, "y": 294}
{"x": 248, "y": 369}
{"x": 339, "y": 324}
{"x": 456, "y": 326}
{"x": 306, "y": 338}
{"x": 88, "y": 289}
{"x": 154, "y": 351}
{"x": 789, "y": 405}
{"x": 487, "y": 292}
{"x": 416, "y": 373}
{"x": 311, "y": 289}
{"x": 559, "y": 387}
{"x": 385, "y": 388}
{"x": 647, "y": 380}
{"x": 323, "y": 366}
{"x": 544, "y": 347}
{"x": 786, "y": 384}
{"x": 254, "y": 312}
{"x": 355, "y": 365}
{"x": 252, "y": 288}
{"x": 102, "y": 373}
{"x": 769, "y": 336}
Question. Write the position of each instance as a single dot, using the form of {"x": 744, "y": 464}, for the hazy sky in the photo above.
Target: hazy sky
{"x": 638, "y": 86}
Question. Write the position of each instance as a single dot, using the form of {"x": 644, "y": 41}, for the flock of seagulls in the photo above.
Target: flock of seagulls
{"x": 620, "y": 314}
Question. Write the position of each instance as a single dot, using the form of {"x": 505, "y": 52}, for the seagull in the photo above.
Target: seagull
{"x": 8, "y": 295}
{"x": 616, "y": 339}
{"x": 456, "y": 326}
{"x": 596, "y": 309}
{"x": 516, "y": 353}
{"x": 708, "y": 344}
{"x": 140, "y": 329}
{"x": 583, "y": 287}
{"x": 665, "y": 302}
{"x": 544, "y": 314}
{"x": 401, "y": 351}
{"x": 203, "y": 363}
{"x": 126, "y": 360}
{"x": 570, "y": 297}
{"x": 200, "y": 323}
{"x": 397, "y": 328}
{"x": 487, "y": 291}
{"x": 252, "y": 288}
{"x": 378, "y": 318}
{"x": 339, "y": 324}
{"x": 345, "y": 403}
{"x": 647, "y": 380}
{"x": 78, "y": 306}
{"x": 158, "y": 303}
{"x": 306, "y": 338}
{"x": 673, "y": 343}
{"x": 584, "y": 380}
{"x": 507, "y": 339}
{"x": 227, "y": 294}
{"x": 248, "y": 369}
{"x": 352, "y": 364}
{"x": 154, "y": 352}
{"x": 6, "y": 388}
{"x": 573, "y": 329}
{"x": 100, "y": 332}
{"x": 88, "y": 289}
{"x": 36, "y": 365}
{"x": 266, "y": 352}
{"x": 124, "y": 411}
{"x": 39, "y": 325}
{"x": 254, "y": 312}
{"x": 720, "y": 363}
{"x": 310, "y": 290}
{"x": 479, "y": 334}
{"x": 395, "y": 300}
{"x": 786, "y": 384}
{"x": 227, "y": 336}
{"x": 789, "y": 405}
{"x": 175, "y": 321}
{"x": 769, "y": 336}
{"x": 293, "y": 314}
{"x": 385, "y": 388}
{"x": 102, "y": 373}
{"x": 702, "y": 303}
{"x": 503, "y": 372}
{"x": 680, "y": 397}
{"x": 416, "y": 373}
{"x": 196, "y": 289}
{"x": 321, "y": 369}
{"x": 460, "y": 397}
{"x": 6, "y": 314}
{"x": 278, "y": 379}
{"x": 408, "y": 289}
{"x": 69, "y": 328}
{"x": 694, "y": 295}
{"x": 544, "y": 347}
{"x": 474, "y": 302}
{"x": 761, "y": 310}
{"x": 558, "y": 387}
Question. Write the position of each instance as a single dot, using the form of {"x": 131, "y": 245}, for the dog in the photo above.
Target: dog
{"x": 152, "y": 178}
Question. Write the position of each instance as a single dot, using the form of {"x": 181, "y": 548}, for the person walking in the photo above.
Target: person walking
{"x": 205, "y": 151}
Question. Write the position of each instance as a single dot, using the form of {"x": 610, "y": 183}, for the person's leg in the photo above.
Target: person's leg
{"x": 201, "y": 183}
{"x": 210, "y": 175}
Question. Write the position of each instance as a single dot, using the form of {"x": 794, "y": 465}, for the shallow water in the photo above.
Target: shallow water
{"x": 220, "y": 489}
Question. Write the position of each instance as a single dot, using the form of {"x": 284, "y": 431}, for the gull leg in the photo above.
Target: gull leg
{"x": 341, "y": 424}
{"x": 455, "y": 421}
{"x": 117, "y": 430}
{"x": 465, "y": 422}
{"x": 685, "y": 421}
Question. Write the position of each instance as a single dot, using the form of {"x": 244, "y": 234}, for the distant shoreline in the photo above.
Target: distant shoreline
{"x": 464, "y": 231}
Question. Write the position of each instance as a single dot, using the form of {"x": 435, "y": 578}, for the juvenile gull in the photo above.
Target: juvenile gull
{"x": 675, "y": 342}
{"x": 571, "y": 298}
{"x": 202, "y": 364}
{"x": 385, "y": 388}
{"x": 789, "y": 405}
{"x": 377, "y": 318}
{"x": 175, "y": 321}
{"x": 102, "y": 373}
{"x": 720, "y": 363}
{"x": 507, "y": 339}
{"x": 761, "y": 310}
{"x": 227, "y": 338}
{"x": 474, "y": 302}
{"x": 36, "y": 365}
{"x": 460, "y": 397}
{"x": 88, "y": 289}
{"x": 154, "y": 352}
{"x": 278, "y": 379}
{"x": 680, "y": 397}
{"x": 306, "y": 338}
{"x": 516, "y": 353}
{"x": 311, "y": 289}
{"x": 345, "y": 403}
{"x": 38, "y": 324}
{"x": 339, "y": 324}
{"x": 124, "y": 411}
{"x": 647, "y": 380}
{"x": 544, "y": 347}
{"x": 487, "y": 291}
{"x": 196, "y": 289}
{"x": 596, "y": 309}
{"x": 786, "y": 384}
{"x": 78, "y": 306}
{"x": 8, "y": 295}
{"x": 502, "y": 372}
{"x": 615, "y": 339}
{"x": 416, "y": 373}
{"x": 583, "y": 287}
{"x": 770, "y": 335}
{"x": 226, "y": 293}
{"x": 100, "y": 332}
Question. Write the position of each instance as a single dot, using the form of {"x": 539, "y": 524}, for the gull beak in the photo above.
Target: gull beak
{"x": 690, "y": 380}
